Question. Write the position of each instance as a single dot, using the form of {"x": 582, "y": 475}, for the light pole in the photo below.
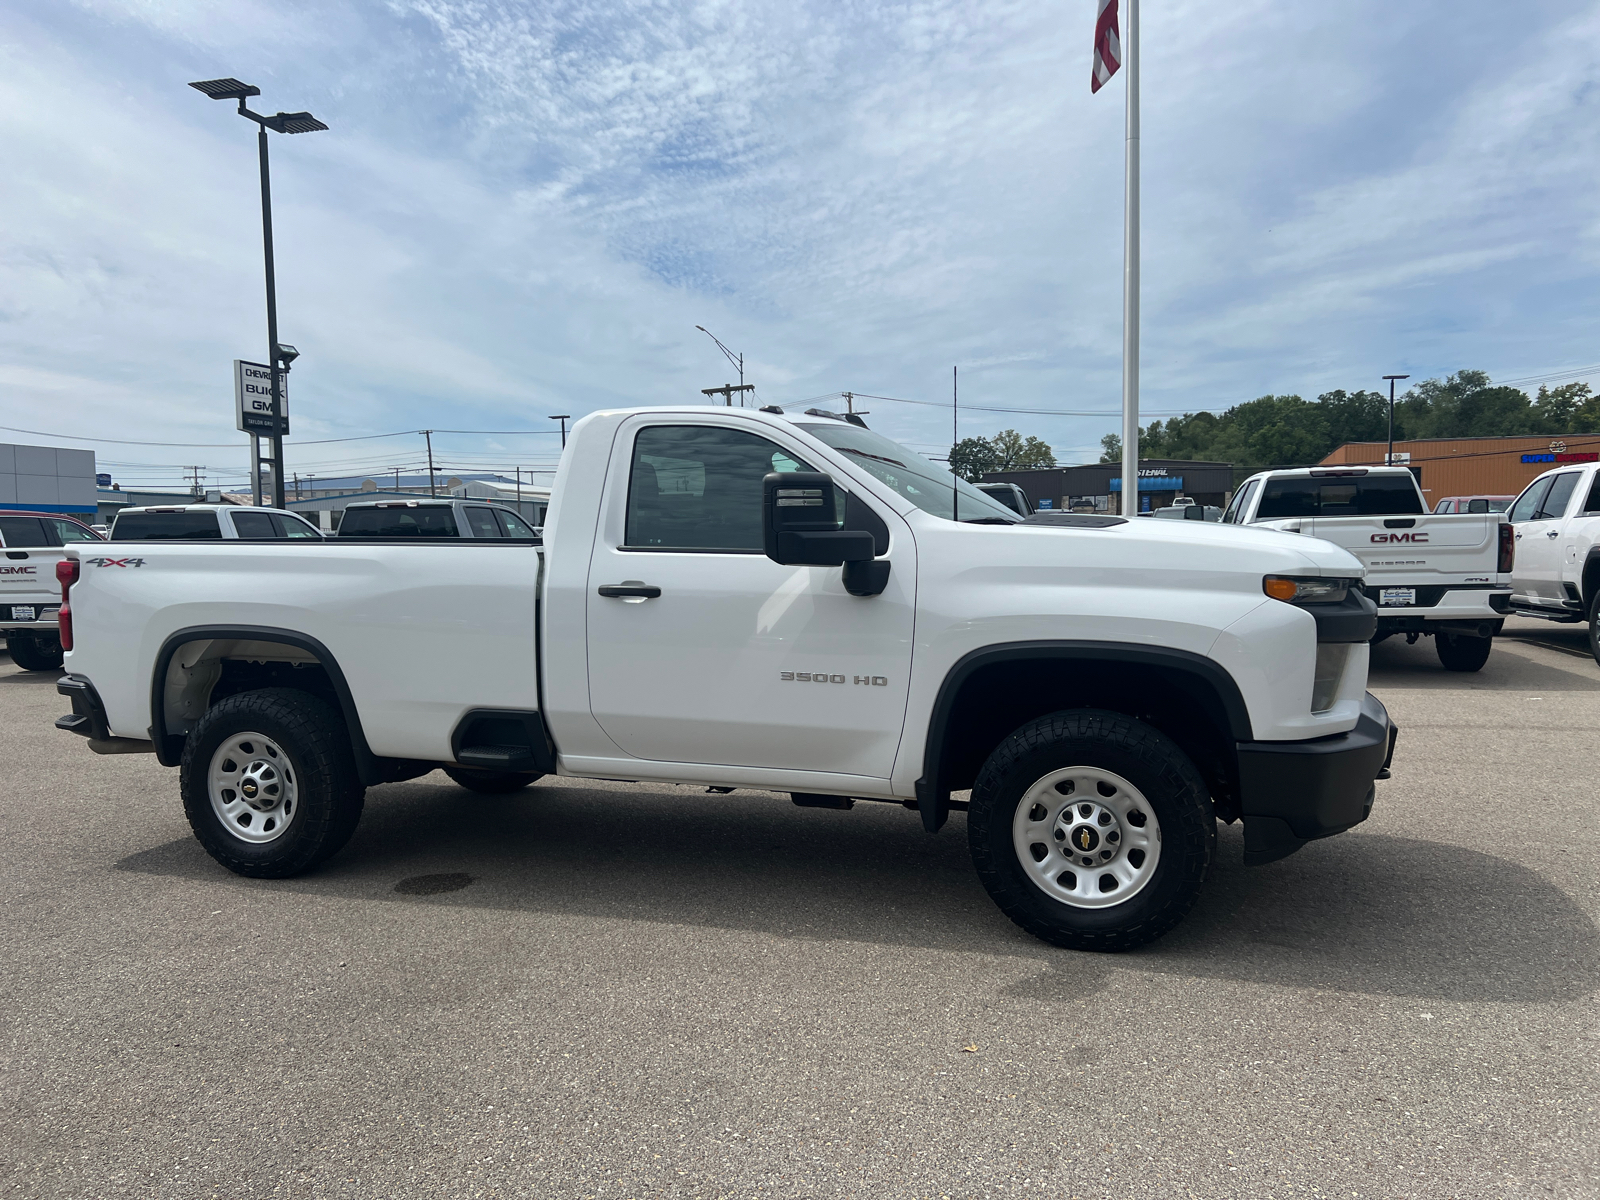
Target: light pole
{"x": 736, "y": 359}
{"x": 296, "y": 122}
{"x": 1389, "y": 460}
{"x": 563, "y": 418}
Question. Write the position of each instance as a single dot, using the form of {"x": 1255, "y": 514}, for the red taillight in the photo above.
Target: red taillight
{"x": 1508, "y": 548}
{"x": 67, "y": 575}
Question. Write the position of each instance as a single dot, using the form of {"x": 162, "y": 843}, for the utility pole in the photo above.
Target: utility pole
{"x": 397, "y": 479}
{"x": 955, "y": 440}
{"x": 727, "y": 390}
{"x": 1388, "y": 460}
{"x": 737, "y": 360}
{"x": 194, "y": 479}
{"x": 563, "y": 418}
{"x": 297, "y": 485}
{"x": 849, "y": 402}
{"x": 428, "y": 433}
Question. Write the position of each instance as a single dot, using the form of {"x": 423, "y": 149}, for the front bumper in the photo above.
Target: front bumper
{"x": 1291, "y": 793}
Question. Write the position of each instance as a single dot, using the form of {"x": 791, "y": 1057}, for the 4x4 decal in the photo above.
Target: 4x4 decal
{"x": 115, "y": 562}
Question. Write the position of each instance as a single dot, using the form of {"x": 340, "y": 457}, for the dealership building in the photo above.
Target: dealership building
{"x": 1097, "y": 487}
{"x": 48, "y": 479}
{"x": 1478, "y": 466}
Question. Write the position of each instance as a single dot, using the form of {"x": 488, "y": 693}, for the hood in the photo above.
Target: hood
{"x": 1236, "y": 546}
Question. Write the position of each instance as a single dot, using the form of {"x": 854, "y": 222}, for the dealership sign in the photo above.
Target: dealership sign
{"x": 1155, "y": 479}
{"x": 252, "y": 393}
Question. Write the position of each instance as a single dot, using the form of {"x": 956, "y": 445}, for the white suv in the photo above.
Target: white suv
{"x": 208, "y": 522}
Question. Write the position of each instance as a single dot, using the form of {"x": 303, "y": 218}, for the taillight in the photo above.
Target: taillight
{"x": 1508, "y": 548}
{"x": 67, "y": 575}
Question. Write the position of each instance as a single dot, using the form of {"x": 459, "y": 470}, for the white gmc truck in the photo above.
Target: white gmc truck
{"x": 744, "y": 600}
{"x": 1444, "y": 576}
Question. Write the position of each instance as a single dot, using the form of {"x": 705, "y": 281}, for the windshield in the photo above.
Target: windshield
{"x": 930, "y": 488}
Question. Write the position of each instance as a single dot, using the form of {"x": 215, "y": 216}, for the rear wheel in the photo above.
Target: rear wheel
{"x": 1091, "y": 830}
{"x": 1594, "y": 625}
{"x": 269, "y": 782}
{"x": 1459, "y": 652}
{"x": 492, "y": 782}
{"x": 34, "y": 653}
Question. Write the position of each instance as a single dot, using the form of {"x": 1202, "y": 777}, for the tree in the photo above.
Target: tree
{"x": 972, "y": 458}
{"x": 1008, "y": 450}
{"x": 1111, "y": 447}
{"x": 1019, "y": 454}
{"x": 1570, "y": 408}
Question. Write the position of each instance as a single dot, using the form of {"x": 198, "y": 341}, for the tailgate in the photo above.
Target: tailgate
{"x": 1443, "y": 549}
{"x": 28, "y": 576}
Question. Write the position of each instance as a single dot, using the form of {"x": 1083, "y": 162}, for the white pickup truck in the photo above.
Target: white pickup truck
{"x": 1557, "y": 572}
{"x": 1445, "y": 576}
{"x": 31, "y": 543}
{"x": 745, "y": 600}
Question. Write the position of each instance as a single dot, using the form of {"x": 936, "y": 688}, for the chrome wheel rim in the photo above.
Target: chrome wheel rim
{"x": 1086, "y": 837}
{"x": 252, "y": 787}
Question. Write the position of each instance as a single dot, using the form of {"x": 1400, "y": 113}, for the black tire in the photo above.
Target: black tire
{"x": 1594, "y": 625}
{"x": 33, "y": 653}
{"x": 1459, "y": 652}
{"x": 329, "y": 797}
{"x": 492, "y": 782}
{"x": 1149, "y": 761}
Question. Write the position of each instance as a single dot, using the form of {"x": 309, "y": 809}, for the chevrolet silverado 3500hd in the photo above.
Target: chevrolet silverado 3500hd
{"x": 745, "y": 600}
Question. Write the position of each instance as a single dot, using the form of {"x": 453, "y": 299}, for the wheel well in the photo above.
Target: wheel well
{"x": 997, "y": 698}
{"x": 200, "y": 666}
{"x": 1591, "y": 579}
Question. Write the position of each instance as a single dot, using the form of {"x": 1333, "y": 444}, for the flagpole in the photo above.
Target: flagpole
{"x": 1130, "y": 272}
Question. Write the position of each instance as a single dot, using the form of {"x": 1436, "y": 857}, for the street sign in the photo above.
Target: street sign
{"x": 252, "y": 393}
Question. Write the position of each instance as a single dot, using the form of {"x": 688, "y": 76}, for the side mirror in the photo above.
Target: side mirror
{"x": 1194, "y": 512}
{"x": 800, "y": 522}
{"x": 800, "y": 527}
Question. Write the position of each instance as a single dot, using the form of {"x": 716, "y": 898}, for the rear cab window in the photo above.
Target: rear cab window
{"x": 168, "y": 527}
{"x": 400, "y": 521}
{"x": 482, "y": 523}
{"x": 1339, "y": 496}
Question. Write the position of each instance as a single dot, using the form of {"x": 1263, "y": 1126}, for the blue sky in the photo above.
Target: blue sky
{"x": 525, "y": 209}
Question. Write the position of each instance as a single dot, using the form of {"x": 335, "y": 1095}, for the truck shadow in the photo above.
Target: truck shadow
{"x": 1362, "y": 913}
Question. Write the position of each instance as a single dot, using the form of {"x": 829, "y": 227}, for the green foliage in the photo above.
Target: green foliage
{"x": 1008, "y": 450}
{"x": 1281, "y": 431}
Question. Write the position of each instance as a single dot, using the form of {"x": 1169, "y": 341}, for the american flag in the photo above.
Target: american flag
{"x": 1107, "y": 46}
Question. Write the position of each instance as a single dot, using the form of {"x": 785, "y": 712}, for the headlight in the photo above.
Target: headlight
{"x": 1307, "y": 589}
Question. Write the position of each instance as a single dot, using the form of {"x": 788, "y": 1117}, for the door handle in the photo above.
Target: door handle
{"x": 629, "y": 589}
{"x": 1553, "y": 533}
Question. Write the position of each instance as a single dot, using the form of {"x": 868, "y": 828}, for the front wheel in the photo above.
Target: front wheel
{"x": 35, "y": 654}
{"x": 1458, "y": 652}
{"x": 492, "y": 783}
{"x": 269, "y": 782}
{"x": 1594, "y": 625}
{"x": 1091, "y": 830}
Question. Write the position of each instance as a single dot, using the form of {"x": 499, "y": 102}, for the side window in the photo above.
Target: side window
{"x": 20, "y": 532}
{"x": 254, "y": 525}
{"x": 1591, "y": 506}
{"x": 1445, "y": 506}
{"x": 698, "y": 487}
{"x": 1241, "y": 501}
{"x": 1554, "y": 505}
{"x": 482, "y": 523}
{"x": 1528, "y": 503}
{"x": 512, "y": 525}
{"x": 71, "y": 531}
{"x": 293, "y": 527}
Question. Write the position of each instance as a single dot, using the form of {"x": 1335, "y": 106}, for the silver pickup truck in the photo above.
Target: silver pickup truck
{"x": 1444, "y": 576}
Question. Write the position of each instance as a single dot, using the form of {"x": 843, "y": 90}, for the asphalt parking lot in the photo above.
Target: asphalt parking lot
{"x": 645, "y": 991}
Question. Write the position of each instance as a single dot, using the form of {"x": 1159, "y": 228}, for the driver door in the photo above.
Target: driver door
{"x": 713, "y": 653}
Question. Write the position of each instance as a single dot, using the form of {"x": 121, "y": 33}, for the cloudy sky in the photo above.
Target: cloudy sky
{"x": 526, "y": 208}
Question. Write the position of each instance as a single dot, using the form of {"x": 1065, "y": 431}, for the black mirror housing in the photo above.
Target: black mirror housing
{"x": 800, "y": 522}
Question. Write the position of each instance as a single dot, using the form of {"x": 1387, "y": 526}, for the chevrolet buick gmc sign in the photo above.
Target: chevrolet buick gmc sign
{"x": 252, "y": 392}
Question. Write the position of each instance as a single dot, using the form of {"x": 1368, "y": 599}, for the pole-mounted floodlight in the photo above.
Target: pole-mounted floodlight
{"x": 736, "y": 359}
{"x": 279, "y": 356}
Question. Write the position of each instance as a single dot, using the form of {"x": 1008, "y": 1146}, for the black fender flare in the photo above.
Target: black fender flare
{"x": 933, "y": 794}
{"x": 1589, "y": 578}
{"x": 169, "y": 754}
